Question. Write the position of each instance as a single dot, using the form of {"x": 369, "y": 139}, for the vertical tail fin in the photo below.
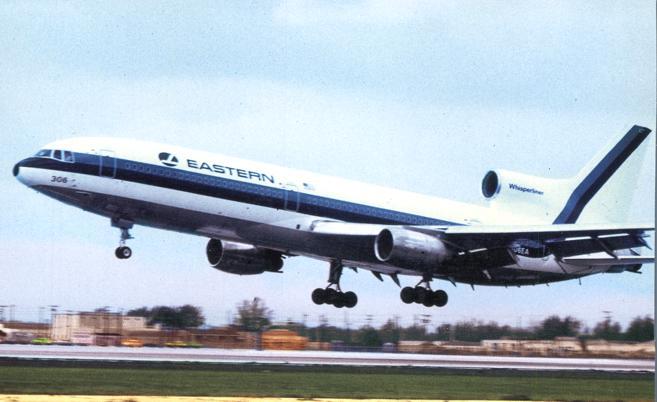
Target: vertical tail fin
{"x": 598, "y": 172}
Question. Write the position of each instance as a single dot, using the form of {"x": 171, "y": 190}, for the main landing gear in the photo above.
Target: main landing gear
{"x": 422, "y": 294}
{"x": 332, "y": 294}
{"x": 123, "y": 252}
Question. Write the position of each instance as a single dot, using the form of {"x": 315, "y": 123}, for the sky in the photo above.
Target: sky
{"x": 422, "y": 96}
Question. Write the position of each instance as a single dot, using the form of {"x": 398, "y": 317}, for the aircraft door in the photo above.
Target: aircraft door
{"x": 291, "y": 202}
{"x": 107, "y": 164}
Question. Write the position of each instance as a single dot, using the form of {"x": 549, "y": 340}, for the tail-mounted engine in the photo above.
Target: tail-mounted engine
{"x": 242, "y": 259}
{"x": 524, "y": 194}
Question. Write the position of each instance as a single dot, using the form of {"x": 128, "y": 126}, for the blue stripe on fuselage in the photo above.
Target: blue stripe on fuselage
{"x": 234, "y": 190}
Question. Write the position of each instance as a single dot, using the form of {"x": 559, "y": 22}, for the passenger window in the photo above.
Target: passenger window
{"x": 58, "y": 155}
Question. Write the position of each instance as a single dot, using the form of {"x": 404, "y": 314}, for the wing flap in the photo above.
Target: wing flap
{"x": 560, "y": 230}
{"x": 578, "y": 246}
{"x": 609, "y": 261}
{"x": 591, "y": 238}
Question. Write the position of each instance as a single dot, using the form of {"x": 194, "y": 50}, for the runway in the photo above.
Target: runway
{"x": 56, "y": 352}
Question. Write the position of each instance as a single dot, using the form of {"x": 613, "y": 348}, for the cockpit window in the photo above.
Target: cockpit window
{"x": 65, "y": 156}
{"x": 44, "y": 153}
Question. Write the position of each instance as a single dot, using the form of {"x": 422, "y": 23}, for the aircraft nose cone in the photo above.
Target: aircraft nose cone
{"x": 16, "y": 170}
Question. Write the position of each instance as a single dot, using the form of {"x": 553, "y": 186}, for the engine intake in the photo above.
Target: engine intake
{"x": 490, "y": 185}
{"x": 242, "y": 259}
{"x": 506, "y": 184}
{"x": 407, "y": 248}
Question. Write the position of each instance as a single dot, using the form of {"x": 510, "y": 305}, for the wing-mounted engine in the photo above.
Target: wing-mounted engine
{"x": 409, "y": 249}
{"x": 242, "y": 259}
{"x": 523, "y": 194}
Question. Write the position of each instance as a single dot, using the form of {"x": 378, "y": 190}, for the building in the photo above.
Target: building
{"x": 600, "y": 347}
{"x": 415, "y": 347}
{"x": 502, "y": 346}
{"x": 99, "y": 327}
{"x": 226, "y": 338}
{"x": 22, "y": 332}
{"x": 283, "y": 339}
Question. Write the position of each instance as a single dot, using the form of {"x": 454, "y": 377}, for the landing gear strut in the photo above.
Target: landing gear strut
{"x": 422, "y": 294}
{"x": 332, "y": 294}
{"x": 123, "y": 252}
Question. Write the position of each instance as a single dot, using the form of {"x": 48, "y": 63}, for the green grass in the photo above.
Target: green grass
{"x": 317, "y": 381}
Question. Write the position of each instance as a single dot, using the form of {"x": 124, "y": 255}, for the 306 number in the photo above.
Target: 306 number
{"x": 59, "y": 179}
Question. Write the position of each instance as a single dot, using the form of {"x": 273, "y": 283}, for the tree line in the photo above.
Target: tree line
{"x": 255, "y": 316}
{"x": 640, "y": 329}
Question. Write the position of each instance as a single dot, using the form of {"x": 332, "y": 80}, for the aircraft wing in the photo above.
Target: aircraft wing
{"x": 560, "y": 239}
{"x": 498, "y": 245}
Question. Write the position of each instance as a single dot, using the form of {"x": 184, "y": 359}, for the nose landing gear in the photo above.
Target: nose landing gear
{"x": 123, "y": 252}
{"x": 332, "y": 294}
{"x": 422, "y": 294}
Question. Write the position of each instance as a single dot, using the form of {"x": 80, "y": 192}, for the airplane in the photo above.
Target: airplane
{"x": 256, "y": 215}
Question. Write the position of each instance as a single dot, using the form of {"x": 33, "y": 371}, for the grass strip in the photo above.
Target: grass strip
{"x": 318, "y": 382}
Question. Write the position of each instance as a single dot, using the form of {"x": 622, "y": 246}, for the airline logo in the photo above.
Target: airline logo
{"x": 171, "y": 160}
{"x": 230, "y": 171}
{"x": 168, "y": 159}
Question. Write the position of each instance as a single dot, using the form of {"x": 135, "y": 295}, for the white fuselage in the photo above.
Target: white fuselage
{"x": 233, "y": 199}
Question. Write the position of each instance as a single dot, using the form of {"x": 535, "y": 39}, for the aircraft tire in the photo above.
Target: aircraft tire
{"x": 440, "y": 298}
{"x": 123, "y": 252}
{"x": 350, "y": 299}
{"x": 420, "y": 294}
{"x": 429, "y": 299}
{"x": 339, "y": 300}
{"x": 407, "y": 295}
{"x": 331, "y": 296}
{"x": 319, "y": 296}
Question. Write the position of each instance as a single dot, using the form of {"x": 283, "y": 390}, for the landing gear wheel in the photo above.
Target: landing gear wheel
{"x": 339, "y": 301}
{"x": 428, "y": 299}
{"x": 439, "y": 298}
{"x": 332, "y": 294}
{"x": 319, "y": 296}
{"x": 407, "y": 295}
{"x": 123, "y": 252}
{"x": 350, "y": 299}
{"x": 421, "y": 294}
